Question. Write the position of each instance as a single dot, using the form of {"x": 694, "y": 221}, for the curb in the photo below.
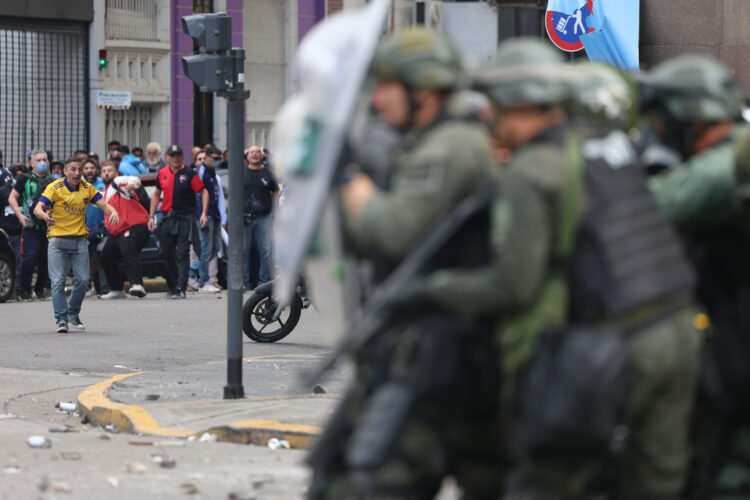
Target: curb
{"x": 94, "y": 404}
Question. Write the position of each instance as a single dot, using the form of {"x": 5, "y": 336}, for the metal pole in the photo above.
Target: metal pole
{"x": 235, "y": 123}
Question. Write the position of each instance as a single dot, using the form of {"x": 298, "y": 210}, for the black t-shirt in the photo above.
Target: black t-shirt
{"x": 258, "y": 186}
{"x": 8, "y": 220}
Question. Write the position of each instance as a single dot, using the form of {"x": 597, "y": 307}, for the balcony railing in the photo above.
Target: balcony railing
{"x": 131, "y": 20}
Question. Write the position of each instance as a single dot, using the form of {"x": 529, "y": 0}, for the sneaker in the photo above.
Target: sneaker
{"x": 114, "y": 294}
{"x": 209, "y": 288}
{"x": 62, "y": 328}
{"x": 137, "y": 291}
{"x": 176, "y": 294}
{"x": 90, "y": 292}
{"x": 193, "y": 284}
{"x": 24, "y": 298}
{"x": 76, "y": 323}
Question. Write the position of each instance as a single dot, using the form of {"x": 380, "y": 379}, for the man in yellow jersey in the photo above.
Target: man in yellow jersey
{"x": 67, "y": 199}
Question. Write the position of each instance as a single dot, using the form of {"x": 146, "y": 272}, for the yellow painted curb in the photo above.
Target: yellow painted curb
{"x": 100, "y": 410}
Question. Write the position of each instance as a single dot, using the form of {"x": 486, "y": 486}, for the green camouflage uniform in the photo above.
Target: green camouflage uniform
{"x": 525, "y": 288}
{"x": 707, "y": 199}
{"x": 434, "y": 168}
{"x": 528, "y": 293}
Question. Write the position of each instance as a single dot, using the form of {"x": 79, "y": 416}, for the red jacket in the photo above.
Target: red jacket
{"x": 128, "y": 207}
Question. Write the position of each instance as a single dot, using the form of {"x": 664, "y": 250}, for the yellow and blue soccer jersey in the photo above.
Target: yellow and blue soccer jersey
{"x": 68, "y": 206}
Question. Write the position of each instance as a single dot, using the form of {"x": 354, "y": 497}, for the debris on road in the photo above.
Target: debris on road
{"x": 66, "y": 407}
{"x": 275, "y": 444}
{"x": 61, "y": 487}
{"x": 70, "y": 455}
{"x": 152, "y": 397}
{"x": 38, "y": 442}
{"x": 11, "y": 469}
{"x": 174, "y": 443}
{"x": 318, "y": 390}
{"x": 136, "y": 468}
{"x": 168, "y": 464}
{"x": 258, "y": 481}
{"x": 104, "y": 437}
{"x": 67, "y": 428}
{"x": 207, "y": 438}
{"x": 141, "y": 443}
{"x": 113, "y": 481}
{"x": 43, "y": 483}
{"x": 188, "y": 488}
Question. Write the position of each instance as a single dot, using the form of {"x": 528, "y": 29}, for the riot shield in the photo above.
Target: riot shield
{"x": 310, "y": 134}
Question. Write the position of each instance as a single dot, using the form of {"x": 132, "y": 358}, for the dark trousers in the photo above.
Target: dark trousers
{"x": 34, "y": 249}
{"x": 127, "y": 246}
{"x": 174, "y": 247}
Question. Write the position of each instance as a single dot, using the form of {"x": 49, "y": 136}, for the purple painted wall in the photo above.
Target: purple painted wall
{"x": 310, "y": 12}
{"x": 182, "y": 87}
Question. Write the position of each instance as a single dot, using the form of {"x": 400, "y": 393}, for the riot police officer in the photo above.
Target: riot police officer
{"x": 580, "y": 243}
{"x": 695, "y": 108}
{"x": 425, "y": 385}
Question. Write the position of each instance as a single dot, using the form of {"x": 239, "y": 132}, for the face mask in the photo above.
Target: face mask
{"x": 41, "y": 167}
{"x": 57, "y": 176}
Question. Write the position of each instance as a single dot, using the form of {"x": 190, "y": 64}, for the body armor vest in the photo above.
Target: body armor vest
{"x": 627, "y": 254}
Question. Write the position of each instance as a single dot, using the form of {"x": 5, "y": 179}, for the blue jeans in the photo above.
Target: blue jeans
{"x": 258, "y": 232}
{"x": 59, "y": 261}
{"x": 210, "y": 246}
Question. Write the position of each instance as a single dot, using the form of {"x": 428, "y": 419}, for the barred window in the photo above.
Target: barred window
{"x": 43, "y": 87}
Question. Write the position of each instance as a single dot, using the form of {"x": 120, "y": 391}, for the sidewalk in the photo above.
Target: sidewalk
{"x": 187, "y": 401}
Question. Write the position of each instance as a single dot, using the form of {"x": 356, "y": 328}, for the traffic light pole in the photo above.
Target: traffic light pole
{"x": 235, "y": 127}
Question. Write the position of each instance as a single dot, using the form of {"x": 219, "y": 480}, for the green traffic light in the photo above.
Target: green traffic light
{"x": 102, "y": 63}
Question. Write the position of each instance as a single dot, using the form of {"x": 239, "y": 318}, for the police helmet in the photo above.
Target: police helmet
{"x": 525, "y": 71}
{"x": 606, "y": 93}
{"x": 695, "y": 88}
{"x": 420, "y": 59}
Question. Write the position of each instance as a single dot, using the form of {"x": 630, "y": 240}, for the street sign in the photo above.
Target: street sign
{"x": 113, "y": 99}
{"x": 567, "y": 20}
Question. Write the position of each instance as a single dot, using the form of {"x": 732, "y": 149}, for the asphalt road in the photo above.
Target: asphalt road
{"x": 130, "y": 334}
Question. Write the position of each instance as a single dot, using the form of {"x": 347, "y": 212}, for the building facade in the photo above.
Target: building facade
{"x": 50, "y": 74}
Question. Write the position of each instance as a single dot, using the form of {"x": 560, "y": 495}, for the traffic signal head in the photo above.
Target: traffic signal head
{"x": 211, "y": 72}
{"x": 211, "y": 32}
{"x": 102, "y": 59}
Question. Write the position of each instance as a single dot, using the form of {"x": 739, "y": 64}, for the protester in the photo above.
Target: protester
{"x": 178, "y": 183}
{"x": 261, "y": 190}
{"x": 26, "y": 192}
{"x": 56, "y": 169}
{"x": 154, "y": 161}
{"x": 138, "y": 153}
{"x": 67, "y": 199}
{"x": 95, "y": 227}
{"x": 210, "y": 235}
{"x": 8, "y": 220}
{"x": 128, "y": 236}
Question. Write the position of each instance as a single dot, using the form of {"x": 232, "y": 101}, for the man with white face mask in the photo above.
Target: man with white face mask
{"x": 22, "y": 199}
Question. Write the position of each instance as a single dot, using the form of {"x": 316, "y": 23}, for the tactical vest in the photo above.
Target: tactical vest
{"x": 626, "y": 253}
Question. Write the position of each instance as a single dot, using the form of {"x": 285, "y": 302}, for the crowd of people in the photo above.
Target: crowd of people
{"x": 186, "y": 213}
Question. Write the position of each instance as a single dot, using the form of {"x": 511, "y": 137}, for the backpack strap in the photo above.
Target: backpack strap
{"x": 571, "y": 199}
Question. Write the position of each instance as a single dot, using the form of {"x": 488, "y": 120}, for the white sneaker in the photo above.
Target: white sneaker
{"x": 137, "y": 291}
{"x": 193, "y": 284}
{"x": 91, "y": 291}
{"x": 114, "y": 294}
{"x": 209, "y": 288}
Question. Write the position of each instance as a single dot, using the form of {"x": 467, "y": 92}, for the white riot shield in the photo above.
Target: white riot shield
{"x": 310, "y": 132}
